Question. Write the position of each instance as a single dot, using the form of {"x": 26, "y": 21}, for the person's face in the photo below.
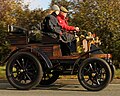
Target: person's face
{"x": 57, "y": 12}
{"x": 64, "y": 14}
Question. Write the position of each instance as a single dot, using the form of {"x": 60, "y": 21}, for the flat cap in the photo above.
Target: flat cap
{"x": 63, "y": 9}
{"x": 55, "y": 8}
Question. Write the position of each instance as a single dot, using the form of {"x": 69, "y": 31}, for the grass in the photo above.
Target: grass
{"x": 117, "y": 74}
{"x": 3, "y": 74}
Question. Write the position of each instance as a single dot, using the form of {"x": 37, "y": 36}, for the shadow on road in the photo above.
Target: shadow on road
{"x": 61, "y": 87}
{"x": 55, "y": 86}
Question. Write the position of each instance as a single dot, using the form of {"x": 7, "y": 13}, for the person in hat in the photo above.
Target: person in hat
{"x": 63, "y": 21}
{"x": 67, "y": 29}
{"x": 50, "y": 25}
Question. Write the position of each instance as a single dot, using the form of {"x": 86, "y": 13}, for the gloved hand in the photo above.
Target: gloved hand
{"x": 61, "y": 33}
{"x": 77, "y": 29}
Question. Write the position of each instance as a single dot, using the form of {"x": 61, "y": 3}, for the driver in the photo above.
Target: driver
{"x": 63, "y": 20}
{"x": 67, "y": 29}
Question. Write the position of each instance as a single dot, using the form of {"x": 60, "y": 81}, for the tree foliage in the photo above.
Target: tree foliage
{"x": 101, "y": 17}
{"x": 8, "y": 12}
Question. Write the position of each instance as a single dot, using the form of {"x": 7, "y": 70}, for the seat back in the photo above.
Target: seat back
{"x": 46, "y": 39}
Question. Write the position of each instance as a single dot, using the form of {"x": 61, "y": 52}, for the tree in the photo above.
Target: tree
{"x": 64, "y": 3}
{"x": 8, "y": 12}
{"x": 101, "y": 17}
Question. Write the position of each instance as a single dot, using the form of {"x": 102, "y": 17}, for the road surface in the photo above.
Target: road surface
{"x": 60, "y": 88}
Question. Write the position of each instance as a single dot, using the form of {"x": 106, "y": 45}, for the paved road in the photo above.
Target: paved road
{"x": 60, "y": 88}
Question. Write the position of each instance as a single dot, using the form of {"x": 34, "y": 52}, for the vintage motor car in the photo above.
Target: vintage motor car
{"x": 30, "y": 64}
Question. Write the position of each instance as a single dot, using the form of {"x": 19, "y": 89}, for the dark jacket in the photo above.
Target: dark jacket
{"x": 51, "y": 26}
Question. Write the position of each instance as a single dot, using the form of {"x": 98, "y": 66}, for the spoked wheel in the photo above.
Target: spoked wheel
{"x": 49, "y": 77}
{"x": 24, "y": 71}
{"x": 94, "y": 74}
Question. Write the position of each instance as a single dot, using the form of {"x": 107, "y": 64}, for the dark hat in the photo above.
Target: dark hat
{"x": 63, "y": 9}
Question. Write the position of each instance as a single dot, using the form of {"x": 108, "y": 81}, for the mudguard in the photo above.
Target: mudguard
{"x": 44, "y": 56}
{"x": 79, "y": 60}
{"x": 36, "y": 50}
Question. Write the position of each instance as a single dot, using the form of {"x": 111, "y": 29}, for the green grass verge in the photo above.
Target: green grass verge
{"x": 2, "y": 72}
{"x": 117, "y": 74}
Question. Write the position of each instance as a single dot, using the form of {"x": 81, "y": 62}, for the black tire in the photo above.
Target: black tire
{"x": 94, "y": 74}
{"x": 24, "y": 71}
{"x": 112, "y": 67}
{"x": 49, "y": 77}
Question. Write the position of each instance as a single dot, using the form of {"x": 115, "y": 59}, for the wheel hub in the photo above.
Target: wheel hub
{"x": 23, "y": 70}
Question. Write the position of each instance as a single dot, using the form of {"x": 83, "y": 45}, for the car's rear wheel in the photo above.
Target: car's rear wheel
{"x": 24, "y": 70}
{"x": 49, "y": 77}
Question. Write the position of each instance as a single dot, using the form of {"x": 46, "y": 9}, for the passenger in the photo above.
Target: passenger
{"x": 50, "y": 24}
{"x": 67, "y": 30}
